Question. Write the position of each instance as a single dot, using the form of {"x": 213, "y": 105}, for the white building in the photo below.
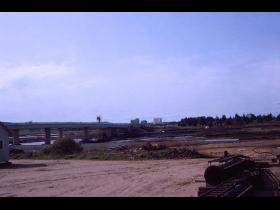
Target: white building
{"x": 157, "y": 120}
{"x": 4, "y": 143}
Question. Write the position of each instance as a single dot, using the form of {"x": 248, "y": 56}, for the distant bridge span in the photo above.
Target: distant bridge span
{"x": 47, "y": 126}
{"x": 41, "y": 125}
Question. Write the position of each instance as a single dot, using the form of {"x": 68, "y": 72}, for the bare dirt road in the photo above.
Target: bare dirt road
{"x": 102, "y": 178}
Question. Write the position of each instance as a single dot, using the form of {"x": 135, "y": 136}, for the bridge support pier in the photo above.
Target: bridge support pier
{"x": 86, "y": 133}
{"x": 60, "y": 133}
{"x": 47, "y": 136}
{"x": 108, "y": 133}
{"x": 16, "y": 136}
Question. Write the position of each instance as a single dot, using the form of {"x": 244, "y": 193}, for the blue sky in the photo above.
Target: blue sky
{"x": 75, "y": 66}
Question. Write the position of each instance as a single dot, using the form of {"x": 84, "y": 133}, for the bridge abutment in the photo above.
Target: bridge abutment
{"x": 47, "y": 136}
{"x": 60, "y": 133}
{"x": 15, "y": 136}
{"x": 108, "y": 132}
{"x": 86, "y": 137}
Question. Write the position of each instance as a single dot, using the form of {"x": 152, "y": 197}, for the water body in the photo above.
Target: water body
{"x": 222, "y": 140}
{"x": 37, "y": 143}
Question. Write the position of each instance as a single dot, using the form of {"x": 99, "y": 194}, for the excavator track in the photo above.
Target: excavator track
{"x": 231, "y": 188}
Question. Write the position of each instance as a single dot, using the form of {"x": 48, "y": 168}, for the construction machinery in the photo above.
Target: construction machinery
{"x": 239, "y": 176}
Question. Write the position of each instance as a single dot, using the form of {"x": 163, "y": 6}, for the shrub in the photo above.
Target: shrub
{"x": 135, "y": 132}
{"x": 64, "y": 146}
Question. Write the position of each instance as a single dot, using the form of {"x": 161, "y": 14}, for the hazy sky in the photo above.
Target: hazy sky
{"x": 75, "y": 66}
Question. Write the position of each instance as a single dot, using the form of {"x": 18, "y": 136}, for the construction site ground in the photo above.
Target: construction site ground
{"x": 102, "y": 178}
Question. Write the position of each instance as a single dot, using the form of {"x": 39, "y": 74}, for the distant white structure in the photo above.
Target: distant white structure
{"x": 4, "y": 143}
{"x": 135, "y": 121}
{"x": 157, "y": 120}
{"x": 249, "y": 115}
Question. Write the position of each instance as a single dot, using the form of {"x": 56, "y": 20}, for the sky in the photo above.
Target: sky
{"x": 75, "y": 66}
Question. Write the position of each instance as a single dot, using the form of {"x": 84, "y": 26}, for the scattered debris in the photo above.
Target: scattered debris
{"x": 150, "y": 147}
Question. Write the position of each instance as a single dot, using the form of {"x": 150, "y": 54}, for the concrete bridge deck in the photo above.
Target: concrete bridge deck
{"x": 47, "y": 126}
{"x": 42, "y": 125}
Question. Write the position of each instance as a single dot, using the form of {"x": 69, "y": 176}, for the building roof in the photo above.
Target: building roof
{"x": 5, "y": 128}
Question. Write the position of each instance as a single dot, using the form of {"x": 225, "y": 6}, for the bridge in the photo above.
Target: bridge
{"x": 60, "y": 126}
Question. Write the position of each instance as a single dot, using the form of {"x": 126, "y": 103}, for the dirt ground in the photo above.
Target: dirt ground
{"x": 102, "y": 178}
{"x": 256, "y": 149}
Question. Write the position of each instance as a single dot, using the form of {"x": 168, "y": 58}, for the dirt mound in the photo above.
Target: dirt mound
{"x": 183, "y": 153}
{"x": 161, "y": 151}
{"x": 173, "y": 153}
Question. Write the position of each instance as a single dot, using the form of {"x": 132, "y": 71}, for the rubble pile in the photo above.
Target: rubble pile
{"x": 151, "y": 147}
{"x": 161, "y": 151}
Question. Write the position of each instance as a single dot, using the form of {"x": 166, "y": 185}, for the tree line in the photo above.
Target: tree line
{"x": 228, "y": 121}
